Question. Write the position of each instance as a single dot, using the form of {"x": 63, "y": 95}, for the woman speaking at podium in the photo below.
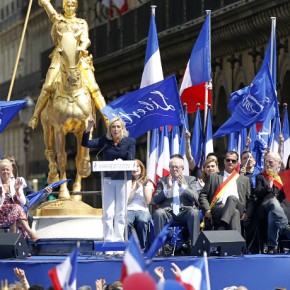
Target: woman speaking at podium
{"x": 115, "y": 145}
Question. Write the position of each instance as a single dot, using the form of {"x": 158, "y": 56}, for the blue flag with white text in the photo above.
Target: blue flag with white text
{"x": 255, "y": 104}
{"x": 148, "y": 108}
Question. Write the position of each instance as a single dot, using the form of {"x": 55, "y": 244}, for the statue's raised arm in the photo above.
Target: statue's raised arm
{"x": 79, "y": 28}
{"x": 69, "y": 95}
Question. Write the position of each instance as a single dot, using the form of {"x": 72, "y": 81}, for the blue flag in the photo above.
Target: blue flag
{"x": 8, "y": 110}
{"x": 148, "y": 108}
{"x": 39, "y": 195}
{"x": 255, "y": 105}
{"x": 157, "y": 244}
{"x": 233, "y": 141}
{"x": 197, "y": 138}
{"x": 199, "y": 62}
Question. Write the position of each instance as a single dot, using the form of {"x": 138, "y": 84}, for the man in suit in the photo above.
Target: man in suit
{"x": 269, "y": 197}
{"x": 172, "y": 188}
{"x": 224, "y": 197}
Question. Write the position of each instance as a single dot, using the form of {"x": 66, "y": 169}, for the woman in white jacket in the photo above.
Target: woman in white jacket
{"x": 12, "y": 199}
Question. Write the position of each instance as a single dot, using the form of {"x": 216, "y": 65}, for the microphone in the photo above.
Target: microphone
{"x": 97, "y": 156}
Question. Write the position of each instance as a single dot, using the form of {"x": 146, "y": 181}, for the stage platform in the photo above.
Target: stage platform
{"x": 263, "y": 272}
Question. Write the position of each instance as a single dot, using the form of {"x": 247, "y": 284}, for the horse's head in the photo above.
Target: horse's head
{"x": 70, "y": 58}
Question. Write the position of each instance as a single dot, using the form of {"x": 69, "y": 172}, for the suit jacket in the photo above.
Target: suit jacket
{"x": 213, "y": 182}
{"x": 188, "y": 198}
{"x": 263, "y": 192}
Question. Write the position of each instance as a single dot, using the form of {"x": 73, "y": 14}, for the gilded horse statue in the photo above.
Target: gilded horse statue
{"x": 67, "y": 111}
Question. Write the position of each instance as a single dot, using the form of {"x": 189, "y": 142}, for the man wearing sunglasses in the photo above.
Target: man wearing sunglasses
{"x": 224, "y": 197}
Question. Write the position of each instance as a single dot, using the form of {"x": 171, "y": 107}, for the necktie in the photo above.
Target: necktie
{"x": 176, "y": 201}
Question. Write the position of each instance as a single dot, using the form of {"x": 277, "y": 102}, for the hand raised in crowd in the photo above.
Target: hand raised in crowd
{"x": 100, "y": 284}
{"x": 159, "y": 272}
{"x": 91, "y": 123}
{"x": 19, "y": 273}
{"x": 187, "y": 135}
{"x": 175, "y": 270}
{"x": 48, "y": 190}
{"x": 201, "y": 182}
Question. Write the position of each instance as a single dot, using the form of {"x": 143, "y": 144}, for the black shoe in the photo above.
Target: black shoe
{"x": 272, "y": 250}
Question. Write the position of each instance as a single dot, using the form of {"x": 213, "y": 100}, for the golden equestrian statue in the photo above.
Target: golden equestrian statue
{"x": 69, "y": 95}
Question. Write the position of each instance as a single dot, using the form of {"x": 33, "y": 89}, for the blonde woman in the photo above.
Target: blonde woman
{"x": 115, "y": 145}
{"x": 138, "y": 215}
{"x": 12, "y": 199}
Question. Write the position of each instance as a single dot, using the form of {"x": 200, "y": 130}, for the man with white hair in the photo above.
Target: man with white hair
{"x": 269, "y": 193}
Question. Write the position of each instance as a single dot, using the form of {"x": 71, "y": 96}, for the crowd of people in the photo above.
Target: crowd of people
{"x": 207, "y": 199}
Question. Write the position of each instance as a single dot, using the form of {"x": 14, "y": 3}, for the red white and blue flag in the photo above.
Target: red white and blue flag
{"x": 64, "y": 276}
{"x": 195, "y": 277}
{"x": 152, "y": 73}
{"x": 198, "y": 71}
{"x": 133, "y": 261}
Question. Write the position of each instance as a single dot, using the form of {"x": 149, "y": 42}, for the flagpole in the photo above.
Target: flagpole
{"x": 19, "y": 50}
{"x": 206, "y": 270}
{"x": 208, "y": 85}
{"x": 153, "y": 7}
{"x": 273, "y": 33}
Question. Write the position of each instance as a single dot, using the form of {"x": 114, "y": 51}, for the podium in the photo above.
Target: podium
{"x": 102, "y": 167}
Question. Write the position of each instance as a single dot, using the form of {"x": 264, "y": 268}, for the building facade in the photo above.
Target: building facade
{"x": 240, "y": 31}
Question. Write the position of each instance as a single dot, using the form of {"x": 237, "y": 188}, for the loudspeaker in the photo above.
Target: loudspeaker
{"x": 13, "y": 245}
{"x": 220, "y": 243}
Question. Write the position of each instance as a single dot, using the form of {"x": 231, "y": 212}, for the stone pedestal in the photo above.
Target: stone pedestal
{"x": 68, "y": 227}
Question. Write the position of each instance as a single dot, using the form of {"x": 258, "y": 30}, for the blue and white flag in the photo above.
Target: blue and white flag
{"x": 208, "y": 142}
{"x": 274, "y": 136}
{"x": 148, "y": 108}
{"x": 8, "y": 110}
{"x": 64, "y": 276}
{"x": 254, "y": 106}
{"x": 285, "y": 133}
{"x": 174, "y": 140}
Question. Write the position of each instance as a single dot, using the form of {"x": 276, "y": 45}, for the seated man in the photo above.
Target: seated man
{"x": 224, "y": 197}
{"x": 177, "y": 199}
{"x": 269, "y": 193}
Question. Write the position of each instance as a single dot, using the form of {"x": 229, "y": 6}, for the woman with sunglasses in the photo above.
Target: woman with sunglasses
{"x": 224, "y": 197}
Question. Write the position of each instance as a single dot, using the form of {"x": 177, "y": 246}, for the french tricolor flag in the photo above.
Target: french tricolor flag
{"x": 133, "y": 261}
{"x": 198, "y": 71}
{"x": 64, "y": 276}
{"x": 195, "y": 277}
{"x": 152, "y": 73}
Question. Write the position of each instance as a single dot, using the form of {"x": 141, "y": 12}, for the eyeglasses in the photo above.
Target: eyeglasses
{"x": 231, "y": 160}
